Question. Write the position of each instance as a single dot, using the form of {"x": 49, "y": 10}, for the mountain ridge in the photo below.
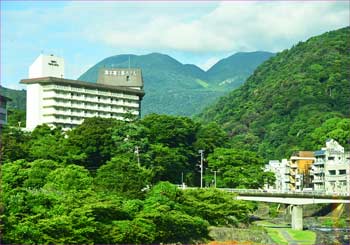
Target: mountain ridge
{"x": 279, "y": 107}
{"x": 185, "y": 88}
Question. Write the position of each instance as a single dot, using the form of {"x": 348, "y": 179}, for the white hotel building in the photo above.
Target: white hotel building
{"x": 56, "y": 101}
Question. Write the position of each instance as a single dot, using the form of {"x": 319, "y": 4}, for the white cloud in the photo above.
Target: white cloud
{"x": 229, "y": 26}
{"x": 185, "y": 26}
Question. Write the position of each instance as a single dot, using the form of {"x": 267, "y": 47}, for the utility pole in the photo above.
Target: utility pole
{"x": 214, "y": 171}
{"x": 137, "y": 152}
{"x": 201, "y": 166}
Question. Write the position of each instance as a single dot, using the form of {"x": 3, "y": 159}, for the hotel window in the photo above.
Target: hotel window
{"x": 330, "y": 158}
{"x": 342, "y": 172}
{"x": 331, "y": 172}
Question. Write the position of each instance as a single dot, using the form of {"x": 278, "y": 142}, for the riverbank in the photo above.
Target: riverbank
{"x": 261, "y": 232}
{"x": 283, "y": 234}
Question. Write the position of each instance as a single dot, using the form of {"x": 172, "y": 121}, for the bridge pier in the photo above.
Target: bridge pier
{"x": 297, "y": 217}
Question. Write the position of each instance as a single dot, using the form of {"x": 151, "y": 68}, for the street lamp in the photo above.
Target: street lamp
{"x": 215, "y": 171}
{"x": 137, "y": 152}
{"x": 201, "y": 166}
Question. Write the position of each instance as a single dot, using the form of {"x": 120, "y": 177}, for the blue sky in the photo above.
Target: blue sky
{"x": 201, "y": 33}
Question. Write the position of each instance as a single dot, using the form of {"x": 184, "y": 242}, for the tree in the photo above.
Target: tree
{"x": 216, "y": 206}
{"x": 210, "y": 136}
{"x": 91, "y": 144}
{"x": 16, "y": 118}
{"x": 14, "y": 144}
{"x": 122, "y": 175}
{"x": 334, "y": 128}
{"x": 163, "y": 207}
{"x": 69, "y": 178}
{"x": 238, "y": 168}
{"x": 165, "y": 163}
{"x": 47, "y": 143}
{"x": 172, "y": 131}
{"x": 38, "y": 172}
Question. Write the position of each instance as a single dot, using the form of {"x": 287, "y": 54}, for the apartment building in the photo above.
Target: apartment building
{"x": 300, "y": 165}
{"x": 56, "y": 101}
{"x": 336, "y": 168}
{"x": 326, "y": 170}
{"x": 281, "y": 170}
{"x": 317, "y": 171}
{"x": 3, "y": 109}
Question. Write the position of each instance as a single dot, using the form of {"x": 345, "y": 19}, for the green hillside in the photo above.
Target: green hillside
{"x": 231, "y": 71}
{"x": 282, "y": 105}
{"x": 18, "y": 98}
{"x": 174, "y": 88}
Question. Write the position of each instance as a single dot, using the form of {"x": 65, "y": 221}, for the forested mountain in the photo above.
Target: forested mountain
{"x": 291, "y": 98}
{"x": 231, "y": 71}
{"x": 175, "y": 88}
{"x": 18, "y": 98}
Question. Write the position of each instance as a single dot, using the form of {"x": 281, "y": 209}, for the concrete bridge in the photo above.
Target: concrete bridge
{"x": 295, "y": 199}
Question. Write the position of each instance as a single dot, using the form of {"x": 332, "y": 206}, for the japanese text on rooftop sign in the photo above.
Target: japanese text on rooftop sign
{"x": 120, "y": 72}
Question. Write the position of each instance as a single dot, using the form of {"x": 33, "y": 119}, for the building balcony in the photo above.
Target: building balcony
{"x": 318, "y": 163}
{"x": 318, "y": 171}
{"x": 318, "y": 180}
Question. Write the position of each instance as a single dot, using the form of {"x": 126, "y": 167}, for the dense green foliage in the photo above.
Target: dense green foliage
{"x": 231, "y": 71}
{"x": 90, "y": 185}
{"x": 280, "y": 107}
{"x": 234, "y": 171}
{"x": 18, "y": 98}
{"x": 177, "y": 89}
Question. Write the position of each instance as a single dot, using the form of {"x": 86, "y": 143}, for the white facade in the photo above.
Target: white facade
{"x": 336, "y": 168}
{"x": 66, "y": 103}
{"x": 281, "y": 171}
{"x": 331, "y": 170}
{"x": 47, "y": 66}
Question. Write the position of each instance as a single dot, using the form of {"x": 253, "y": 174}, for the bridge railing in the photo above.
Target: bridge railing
{"x": 296, "y": 193}
{"x": 278, "y": 192}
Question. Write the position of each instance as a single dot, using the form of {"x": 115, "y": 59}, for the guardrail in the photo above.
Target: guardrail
{"x": 262, "y": 192}
{"x": 277, "y": 192}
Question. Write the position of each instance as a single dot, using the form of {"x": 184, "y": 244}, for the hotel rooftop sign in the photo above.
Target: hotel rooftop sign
{"x": 123, "y": 77}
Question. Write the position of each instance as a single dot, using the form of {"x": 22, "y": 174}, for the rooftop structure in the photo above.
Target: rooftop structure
{"x": 47, "y": 66}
